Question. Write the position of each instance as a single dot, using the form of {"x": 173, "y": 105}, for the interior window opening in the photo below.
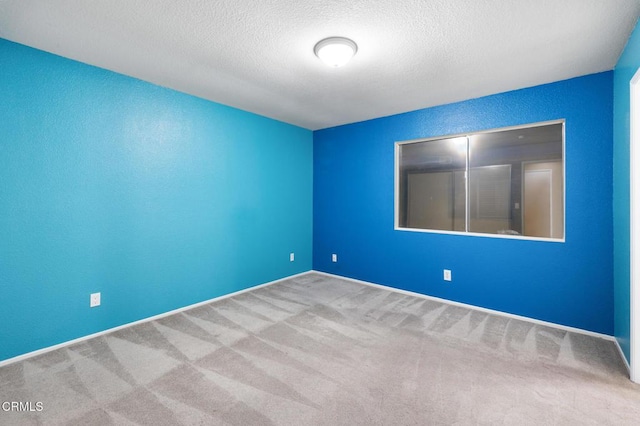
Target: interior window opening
{"x": 507, "y": 182}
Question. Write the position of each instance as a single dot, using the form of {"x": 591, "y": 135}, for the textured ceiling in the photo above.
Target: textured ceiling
{"x": 258, "y": 55}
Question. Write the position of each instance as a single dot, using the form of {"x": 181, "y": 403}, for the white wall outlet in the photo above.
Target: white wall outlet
{"x": 292, "y": 257}
{"x": 334, "y": 257}
{"x": 94, "y": 300}
{"x": 447, "y": 274}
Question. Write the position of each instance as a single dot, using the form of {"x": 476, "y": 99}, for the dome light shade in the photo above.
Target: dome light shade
{"x": 335, "y": 51}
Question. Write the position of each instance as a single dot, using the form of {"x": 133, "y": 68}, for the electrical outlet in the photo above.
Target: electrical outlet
{"x": 334, "y": 257}
{"x": 292, "y": 257}
{"x": 447, "y": 275}
{"x": 94, "y": 300}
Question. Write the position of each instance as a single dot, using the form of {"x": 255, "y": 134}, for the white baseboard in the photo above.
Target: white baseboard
{"x": 624, "y": 358}
{"x": 477, "y": 308}
{"x": 155, "y": 317}
{"x": 380, "y": 286}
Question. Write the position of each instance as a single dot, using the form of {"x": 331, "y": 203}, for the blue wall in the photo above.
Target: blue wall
{"x": 566, "y": 283}
{"x": 152, "y": 197}
{"x": 627, "y": 66}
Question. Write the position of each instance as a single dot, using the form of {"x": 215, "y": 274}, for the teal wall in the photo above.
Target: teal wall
{"x": 627, "y": 66}
{"x": 154, "y": 198}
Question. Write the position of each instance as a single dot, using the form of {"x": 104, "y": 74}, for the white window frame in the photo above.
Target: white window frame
{"x": 398, "y": 144}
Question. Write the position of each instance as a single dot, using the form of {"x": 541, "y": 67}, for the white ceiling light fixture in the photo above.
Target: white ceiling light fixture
{"x": 335, "y": 51}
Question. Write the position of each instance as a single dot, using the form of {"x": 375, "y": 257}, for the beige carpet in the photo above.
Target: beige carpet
{"x": 321, "y": 351}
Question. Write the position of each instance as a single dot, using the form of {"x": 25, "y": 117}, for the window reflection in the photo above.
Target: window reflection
{"x": 508, "y": 182}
